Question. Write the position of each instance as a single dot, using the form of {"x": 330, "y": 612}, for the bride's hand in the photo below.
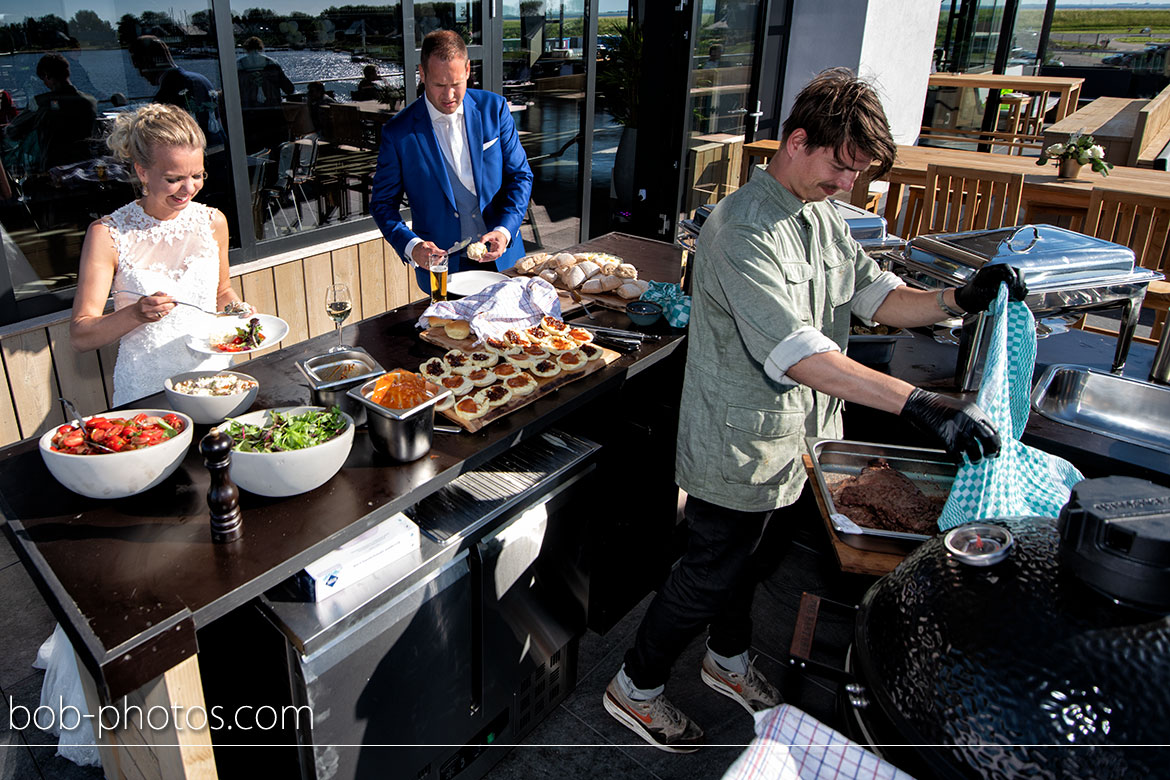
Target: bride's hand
{"x": 153, "y": 307}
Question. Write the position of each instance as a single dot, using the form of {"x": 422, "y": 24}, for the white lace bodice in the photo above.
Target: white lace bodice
{"x": 179, "y": 257}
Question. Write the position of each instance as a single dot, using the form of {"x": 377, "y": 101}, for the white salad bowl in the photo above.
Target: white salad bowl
{"x": 119, "y": 474}
{"x": 209, "y": 409}
{"x": 293, "y": 471}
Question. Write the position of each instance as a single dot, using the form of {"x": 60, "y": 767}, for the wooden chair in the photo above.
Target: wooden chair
{"x": 1142, "y": 223}
{"x": 957, "y": 199}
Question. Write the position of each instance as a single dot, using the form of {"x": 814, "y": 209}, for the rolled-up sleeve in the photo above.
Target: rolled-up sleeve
{"x": 801, "y": 344}
{"x": 870, "y": 298}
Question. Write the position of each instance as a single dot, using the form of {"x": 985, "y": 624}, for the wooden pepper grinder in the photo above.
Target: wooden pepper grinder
{"x": 223, "y": 497}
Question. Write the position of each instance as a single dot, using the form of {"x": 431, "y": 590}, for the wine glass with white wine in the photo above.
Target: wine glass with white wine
{"x": 338, "y": 305}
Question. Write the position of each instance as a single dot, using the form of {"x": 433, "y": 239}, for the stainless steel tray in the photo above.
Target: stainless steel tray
{"x": 341, "y": 369}
{"x": 835, "y": 459}
{"x": 1128, "y": 410}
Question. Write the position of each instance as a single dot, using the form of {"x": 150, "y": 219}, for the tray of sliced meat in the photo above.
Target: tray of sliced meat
{"x": 882, "y": 497}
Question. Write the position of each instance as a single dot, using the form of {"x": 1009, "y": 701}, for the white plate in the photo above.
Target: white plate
{"x": 471, "y": 282}
{"x": 273, "y": 328}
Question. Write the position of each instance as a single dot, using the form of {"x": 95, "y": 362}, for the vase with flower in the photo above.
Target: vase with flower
{"x": 1079, "y": 151}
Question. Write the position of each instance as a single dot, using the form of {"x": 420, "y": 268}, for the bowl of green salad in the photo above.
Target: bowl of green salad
{"x": 289, "y": 450}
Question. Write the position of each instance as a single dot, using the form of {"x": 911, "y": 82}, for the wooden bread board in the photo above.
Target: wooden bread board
{"x": 605, "y": 300}
{"x": 544, "y": 386}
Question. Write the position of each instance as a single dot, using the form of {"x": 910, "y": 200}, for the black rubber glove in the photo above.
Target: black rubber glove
{"x": 963, "y": 427}
{"x": 977, "y": 294}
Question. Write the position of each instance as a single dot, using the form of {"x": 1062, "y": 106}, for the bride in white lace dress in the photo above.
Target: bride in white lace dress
{"x": 166, "y": 248}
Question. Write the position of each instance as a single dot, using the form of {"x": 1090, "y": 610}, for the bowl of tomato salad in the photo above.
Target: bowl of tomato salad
{"x": 147, "y": 447}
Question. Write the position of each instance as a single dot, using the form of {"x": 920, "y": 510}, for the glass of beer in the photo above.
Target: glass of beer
{"x": 438, "y": 271}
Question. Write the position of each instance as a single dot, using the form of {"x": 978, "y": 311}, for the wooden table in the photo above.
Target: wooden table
{"x": 764, "y": 149}
{"x": 1041, "y": 183}
{"x": 1111, "y": 121}
{"x": 1067, "y": 90}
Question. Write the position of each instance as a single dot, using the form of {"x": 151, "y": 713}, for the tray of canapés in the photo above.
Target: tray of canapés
{"x": 493, "y": 377}
{"x": 602, "y": 278}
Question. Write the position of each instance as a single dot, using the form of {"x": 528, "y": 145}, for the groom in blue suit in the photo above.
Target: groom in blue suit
{"x": 456, "y": 156}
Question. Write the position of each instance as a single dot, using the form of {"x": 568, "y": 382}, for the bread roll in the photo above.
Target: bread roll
{"x": 457, "y": 329}
{"x": 476, "y": 250}
{"x": 590, "y": 268}
{"x": 610, "y": 283}
{"x": 528, "y": 265}
{"x": 549, "y": 275}
{"x": 592, "y": 286}
{"x": 643, "y": 285}
{"x": 626, "y": 271}
{"x": 574, "y": 278}
{"x": 564, "y": 259}
{"x": 437, "y": 322}
{"x": 629, "y": 291}
{"x": 609, "y": 269}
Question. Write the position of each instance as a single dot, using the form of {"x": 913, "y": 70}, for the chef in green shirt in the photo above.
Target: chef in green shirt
{"x": 777, "y": 277}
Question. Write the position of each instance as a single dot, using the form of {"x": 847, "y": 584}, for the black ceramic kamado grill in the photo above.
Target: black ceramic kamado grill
{"x": 1066, "y": 273}
{"x": 1047, "y": 663}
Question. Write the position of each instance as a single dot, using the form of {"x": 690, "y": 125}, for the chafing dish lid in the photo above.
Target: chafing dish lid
{"x": 1046, "y": 254}
{"x": 863, "y": 225}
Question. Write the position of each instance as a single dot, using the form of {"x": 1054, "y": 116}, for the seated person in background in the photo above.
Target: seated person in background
{"x": 188, "y": 90}
{"x": 318, "y": 97}
{"x": 63, "y": 121}
{"x": 367, "y": 88}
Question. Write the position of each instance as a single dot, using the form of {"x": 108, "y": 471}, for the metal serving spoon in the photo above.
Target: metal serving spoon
{"x": 71, "y": 410}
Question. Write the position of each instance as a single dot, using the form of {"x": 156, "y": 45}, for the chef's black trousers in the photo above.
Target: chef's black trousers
{"x": 711, "y": 586}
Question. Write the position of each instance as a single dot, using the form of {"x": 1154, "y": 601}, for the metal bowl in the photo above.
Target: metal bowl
{"x": 402, "y": 434}
{"x": 332, "y": 374}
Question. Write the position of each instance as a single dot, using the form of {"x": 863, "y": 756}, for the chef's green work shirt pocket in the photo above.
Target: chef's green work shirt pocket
{"x": 840, "y": 274}
{"x": 760, "y": 446}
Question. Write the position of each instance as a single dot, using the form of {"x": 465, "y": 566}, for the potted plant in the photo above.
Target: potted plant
{"x": 1080, "y": 150}
{"x": 619, "y": 80}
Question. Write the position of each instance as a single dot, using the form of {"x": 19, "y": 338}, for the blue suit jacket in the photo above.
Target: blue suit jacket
{"x": 411, "y": 163}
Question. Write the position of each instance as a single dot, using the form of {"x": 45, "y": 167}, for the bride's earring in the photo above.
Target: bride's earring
{"x": 145, "y": 192}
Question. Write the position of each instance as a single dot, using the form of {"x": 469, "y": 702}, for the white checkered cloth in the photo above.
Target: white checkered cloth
{"x": 793, "y": 745}
{"x": 514, "y": 304}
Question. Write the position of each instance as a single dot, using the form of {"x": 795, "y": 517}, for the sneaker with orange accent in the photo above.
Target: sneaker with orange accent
{"x": 752, "y": 691}
{"x": 655, "y": 720}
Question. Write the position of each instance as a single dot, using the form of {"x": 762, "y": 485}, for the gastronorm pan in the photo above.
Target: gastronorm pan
{"x": 1128, "y": 410}
{"x": 835, "y": 460}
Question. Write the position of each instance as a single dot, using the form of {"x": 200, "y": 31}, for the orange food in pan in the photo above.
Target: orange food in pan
{"x": 400, "y": 389}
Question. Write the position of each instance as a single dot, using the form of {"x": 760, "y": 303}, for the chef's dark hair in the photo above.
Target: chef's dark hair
{"x": 840, "y": 111}
{"x": 445, "y": 45}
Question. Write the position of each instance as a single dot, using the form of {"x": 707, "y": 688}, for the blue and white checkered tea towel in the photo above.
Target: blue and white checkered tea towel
{"x": 1022, "y": 480}
{"x": 514, "y": 304}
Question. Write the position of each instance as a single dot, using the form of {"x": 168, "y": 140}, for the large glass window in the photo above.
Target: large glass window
{"x": 721, "y": 82}
{"x": 315, "y": 90}
{"x": 64, "y": 81}
{"x": 544, "y": 81}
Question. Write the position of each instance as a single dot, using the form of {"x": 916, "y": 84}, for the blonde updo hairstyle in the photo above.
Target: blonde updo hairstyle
{"x": 138, "y": 133}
